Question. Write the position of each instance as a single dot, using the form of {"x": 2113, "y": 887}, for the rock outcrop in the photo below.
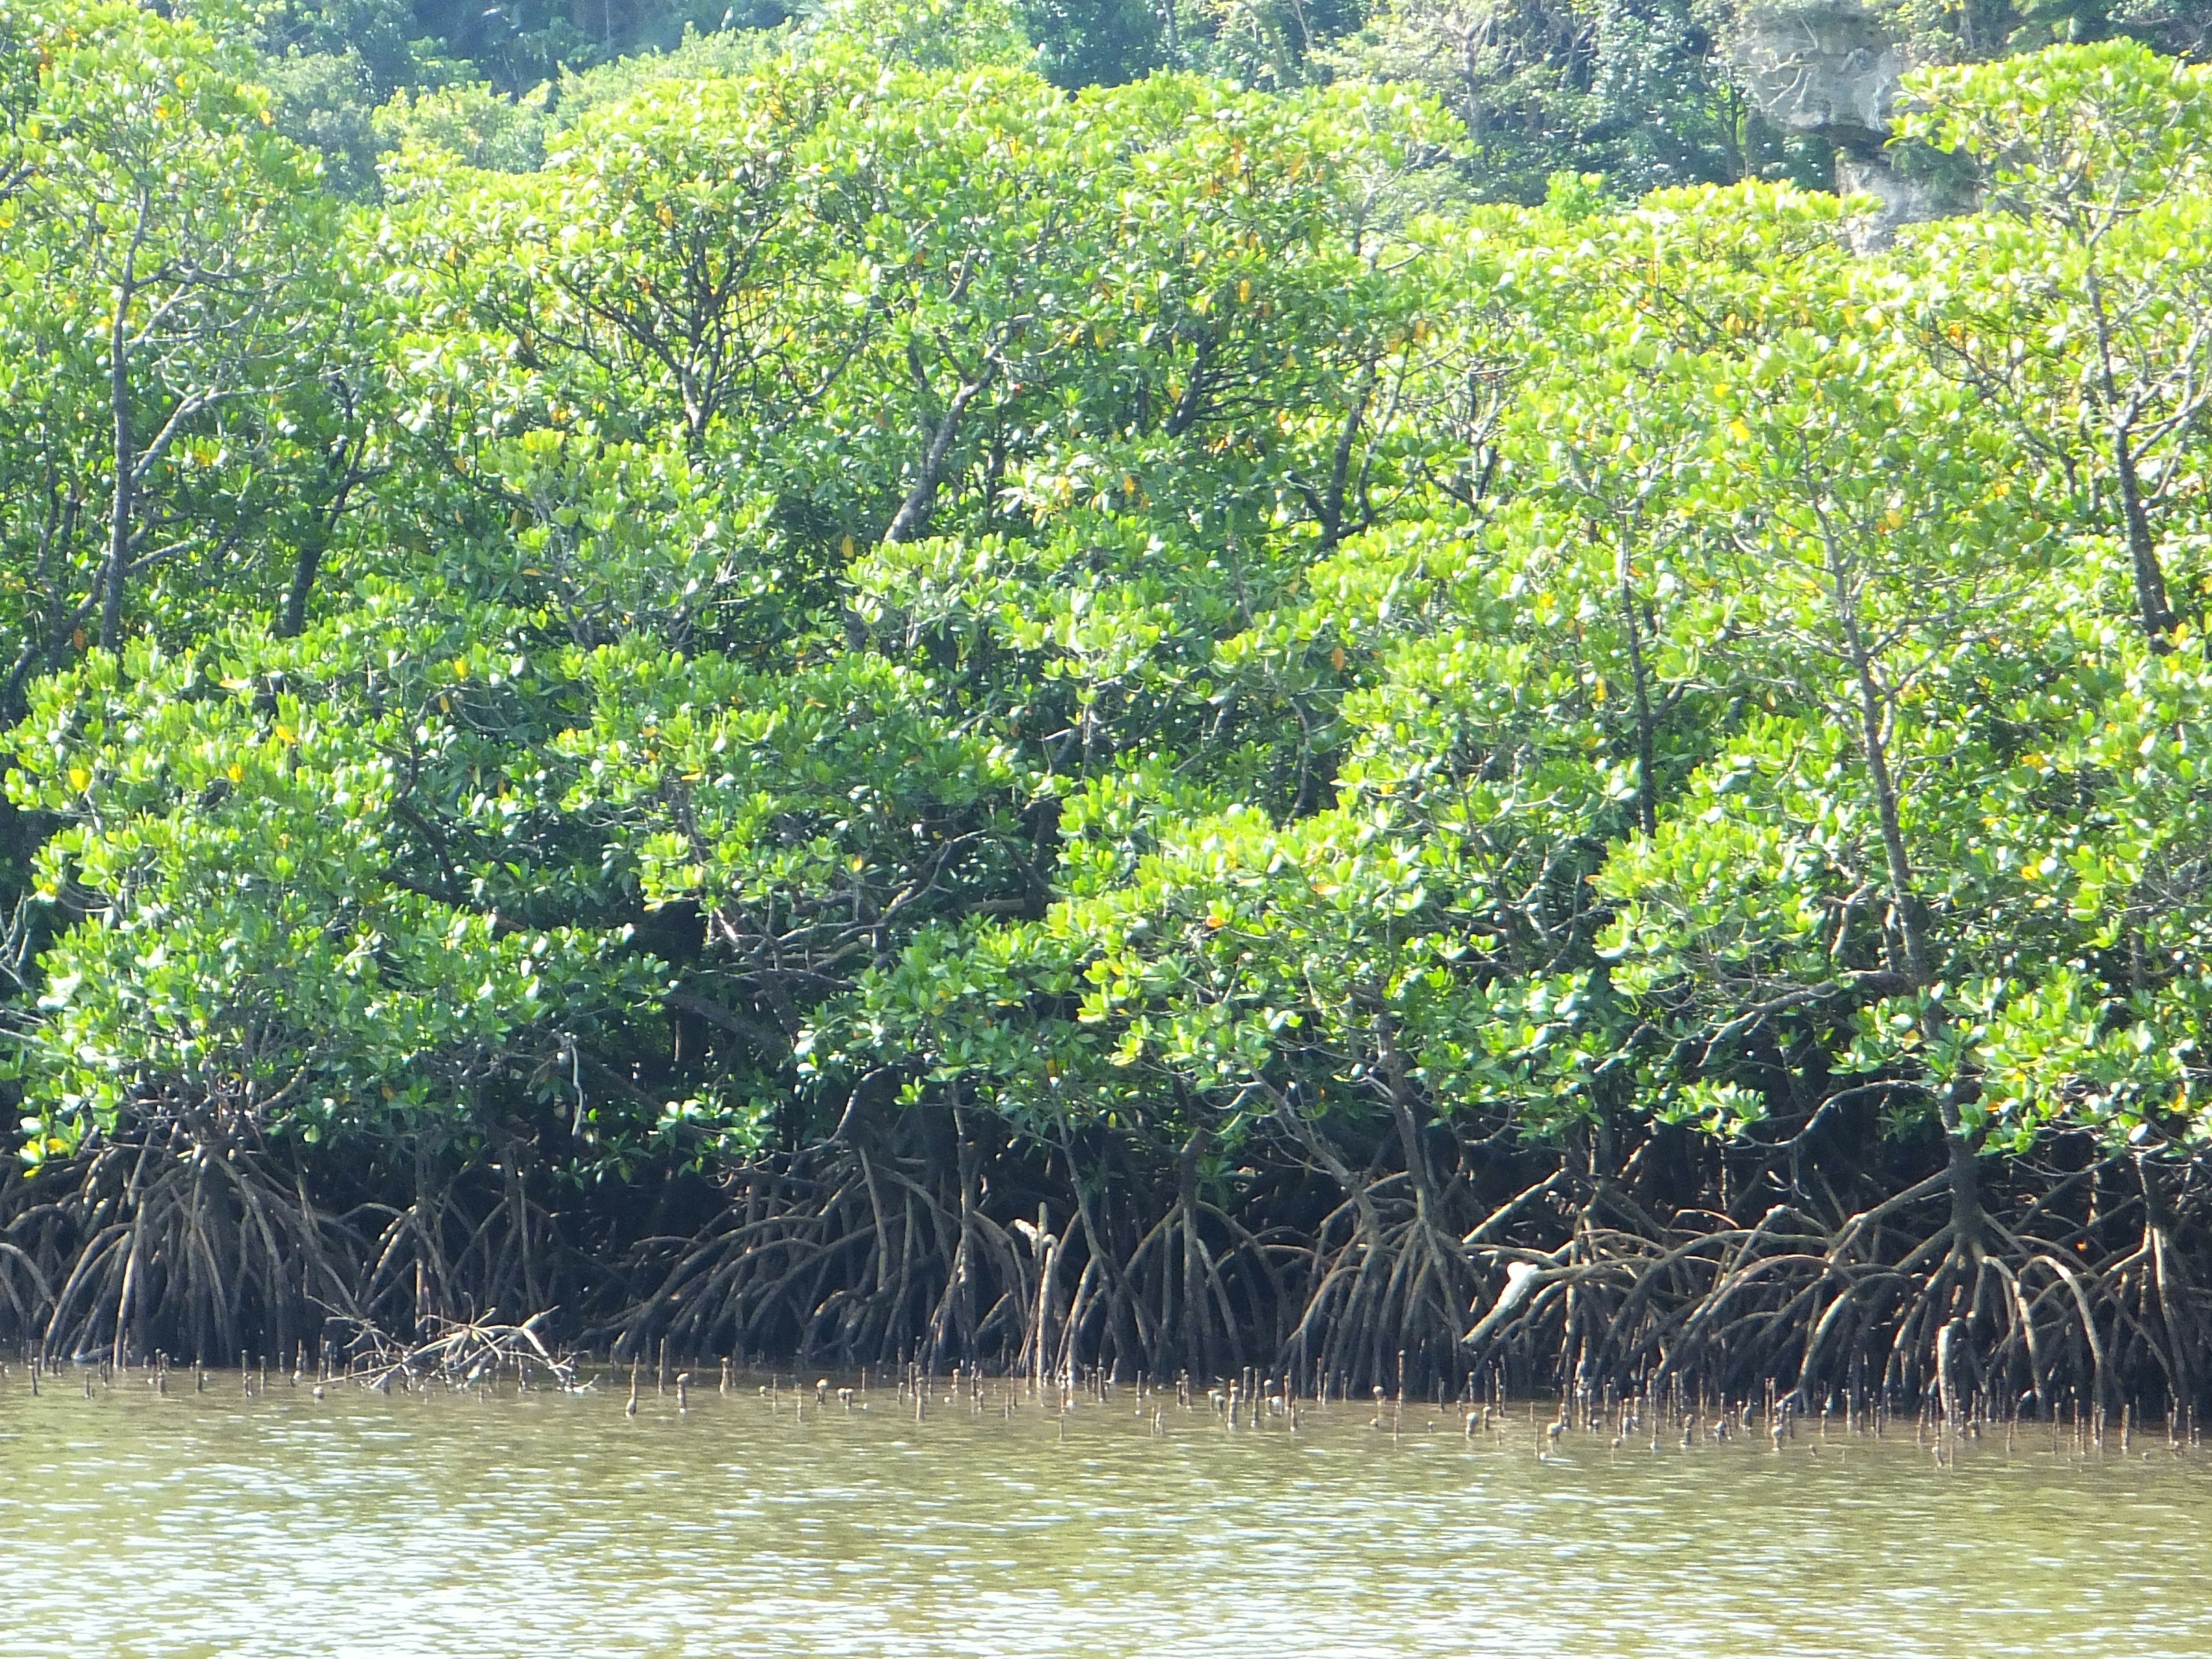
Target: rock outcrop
{"x": 1831, "y": 68}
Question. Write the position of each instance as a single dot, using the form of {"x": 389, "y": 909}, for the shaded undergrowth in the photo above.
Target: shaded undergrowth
{"x": 1611, "y": 1265}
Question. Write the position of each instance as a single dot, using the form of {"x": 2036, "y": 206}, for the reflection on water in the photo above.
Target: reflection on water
{"x": 133, "y": 1523}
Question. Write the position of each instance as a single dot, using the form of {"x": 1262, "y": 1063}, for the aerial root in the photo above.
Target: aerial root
{"x": 1965, "y": 1317}
{"x": 189, "y": 1247}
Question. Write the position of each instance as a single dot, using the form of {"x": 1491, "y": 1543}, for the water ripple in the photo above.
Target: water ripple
{"x": 373, "y": 1527}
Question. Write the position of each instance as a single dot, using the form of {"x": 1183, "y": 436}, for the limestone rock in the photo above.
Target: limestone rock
{"x": 1899, "y": 200}
{"x": 1830, "y": 69}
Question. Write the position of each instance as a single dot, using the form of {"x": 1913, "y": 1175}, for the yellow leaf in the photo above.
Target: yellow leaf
{"x": 79, "y": 777}
{"x": 1244, "y": 292}
{"x": 1336, "y": 660}
{"x": 1739, "y": 430}
{"x": 237, "y": 773}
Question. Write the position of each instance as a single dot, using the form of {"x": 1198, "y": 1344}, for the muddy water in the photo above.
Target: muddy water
{"x": 359, "y": 1525}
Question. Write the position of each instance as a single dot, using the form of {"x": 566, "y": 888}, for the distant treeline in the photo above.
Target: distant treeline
{"x": 1645, "y": 93}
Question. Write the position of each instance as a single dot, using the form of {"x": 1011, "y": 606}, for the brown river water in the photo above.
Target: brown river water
{"x": 363, "y": 1526}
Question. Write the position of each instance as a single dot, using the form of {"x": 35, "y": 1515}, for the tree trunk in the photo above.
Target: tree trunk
{"x": 912, "y": 520}
{"x": 2151, "y": 603}
{"x": 1339, "y": 470}
{"x": 116, "y": 571}
{"x": 1647, "y": 785}
{"x": 293, "y": 620}
{"x": 1968, "y": 1221}
{"x": 1193, "y": 1281}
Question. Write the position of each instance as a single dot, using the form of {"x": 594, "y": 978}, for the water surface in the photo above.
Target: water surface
{"x": 363, "y": 1526}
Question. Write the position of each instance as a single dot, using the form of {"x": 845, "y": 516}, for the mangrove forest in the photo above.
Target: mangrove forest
{"x": 1084, "y": 693}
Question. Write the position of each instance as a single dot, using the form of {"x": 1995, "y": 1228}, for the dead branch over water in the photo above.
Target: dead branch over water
{"x": 459, "y": 1353}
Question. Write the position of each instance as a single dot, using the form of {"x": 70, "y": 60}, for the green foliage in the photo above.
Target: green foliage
{"x": 1096, "y": 43}
{"x": 180, "y": 347}
{"x": 1638, "y": 91}
{"x": 928, "y": 34}
{"x": 837, "y": 575}
{"x": 472, "y": 123}
{"x": 2082, "y": 137}
{"x": 251, "y": 811}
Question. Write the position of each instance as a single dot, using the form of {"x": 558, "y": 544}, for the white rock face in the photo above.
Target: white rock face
{"x": 1829, "y": 69}
{"x": 1901, "y": 200}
